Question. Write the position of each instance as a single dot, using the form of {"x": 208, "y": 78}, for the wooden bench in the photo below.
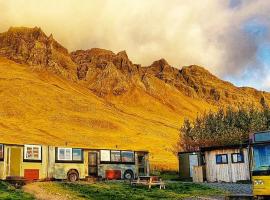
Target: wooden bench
{"x": 149, "y": 181}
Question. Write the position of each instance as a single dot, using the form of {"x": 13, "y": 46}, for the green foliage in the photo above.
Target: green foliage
{"x": 122, "y": 191}
{"x": 227, "y": 126}
{"x": 8, "y": 192}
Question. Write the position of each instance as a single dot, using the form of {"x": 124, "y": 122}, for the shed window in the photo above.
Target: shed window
{"x": 115, "y": 156}
{"x": 32, "y": 152}
{"x": 127, "y": 156}
{"x": 221, "y": 159}
{"x": 1, "y": 152}
{"x": 105, "y": 155}
{"x": 237, "y": 158}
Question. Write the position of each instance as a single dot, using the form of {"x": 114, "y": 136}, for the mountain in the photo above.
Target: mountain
{"x": 100, "y": 99}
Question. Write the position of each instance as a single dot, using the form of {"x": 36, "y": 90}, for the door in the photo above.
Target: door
{"x": 193, "y": 161}
{"x": 15, "y": 161}
{"x": 92, "y": 164}
{"x": 142, "y": 163}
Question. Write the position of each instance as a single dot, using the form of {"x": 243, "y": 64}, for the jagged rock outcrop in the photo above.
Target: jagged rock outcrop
{"x": 104, "y": 72}
{"x": 110, "y": 74}
{"x": 31, "y": 46}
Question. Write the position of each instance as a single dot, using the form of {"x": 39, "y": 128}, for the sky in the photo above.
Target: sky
{"x": 230, "y": 38}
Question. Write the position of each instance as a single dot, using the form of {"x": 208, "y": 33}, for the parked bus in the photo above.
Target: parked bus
{"x": 260, "y": 161}
{"x": 35, "y": 162}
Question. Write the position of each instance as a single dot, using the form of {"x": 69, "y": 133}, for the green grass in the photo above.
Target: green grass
{"x": 8, "y": 192}
{"x": 123, "y": 191}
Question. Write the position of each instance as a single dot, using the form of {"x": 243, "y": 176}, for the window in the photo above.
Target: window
{"x": 105, "y": 155}
{"x": 237, "y": 158}
{"x": 127, "y": 156}
{"x": 1, "y": 152}
{"x": 115, "y": 156}
{"x": 77, "y": 155}
{"x": 262, "y": 136}
{"x": 221, "y": 159}
{"x": 32, "y": 152}
{"x": 261, "y": 158}
{"x": 64, "y": 154}
{"x": 69, "y": 154}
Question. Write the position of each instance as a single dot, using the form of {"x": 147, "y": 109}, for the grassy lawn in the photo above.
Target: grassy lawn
{"x": 8, "y": 192}
{"x": 123, "y": 191}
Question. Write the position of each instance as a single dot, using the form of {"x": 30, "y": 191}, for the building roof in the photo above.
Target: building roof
{"x": 233, "y": 146}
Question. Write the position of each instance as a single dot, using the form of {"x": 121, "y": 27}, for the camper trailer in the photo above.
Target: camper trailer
{"x": 34, "y": 162}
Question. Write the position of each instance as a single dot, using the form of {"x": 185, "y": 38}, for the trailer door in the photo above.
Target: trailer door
{"x": 92, "y": 164}
{"x": 15, "y": 161}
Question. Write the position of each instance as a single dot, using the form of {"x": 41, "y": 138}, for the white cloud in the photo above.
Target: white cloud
{"x": 208, "y": 33}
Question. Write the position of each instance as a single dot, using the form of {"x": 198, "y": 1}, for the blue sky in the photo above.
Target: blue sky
{"x": 256, "y": 72}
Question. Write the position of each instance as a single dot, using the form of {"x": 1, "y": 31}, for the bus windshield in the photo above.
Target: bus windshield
{"x": 261, "y": 161}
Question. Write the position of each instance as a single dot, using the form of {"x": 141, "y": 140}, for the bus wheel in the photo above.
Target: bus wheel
{"x": 73, "y": 175}
{"x": 128, "y": 174}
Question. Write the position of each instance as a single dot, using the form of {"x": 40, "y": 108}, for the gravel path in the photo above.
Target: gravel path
{"x": 233, "y": 188}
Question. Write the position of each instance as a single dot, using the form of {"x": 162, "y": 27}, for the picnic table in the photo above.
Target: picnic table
{"x": 148, "y": 181}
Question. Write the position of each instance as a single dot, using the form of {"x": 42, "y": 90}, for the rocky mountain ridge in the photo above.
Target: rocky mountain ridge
{"x": 108, "y": 74}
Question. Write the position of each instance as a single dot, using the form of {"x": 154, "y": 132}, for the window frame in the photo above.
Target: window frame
{"x": 242, "y": 155}
{"x": 3, "y": 151}
{"x": 39, "y": 160}
{"x": 116, "y": 162}
{"x": 221, "y": 163}
{"x": 57, "y": 160}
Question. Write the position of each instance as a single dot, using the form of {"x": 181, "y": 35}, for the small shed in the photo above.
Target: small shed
{"x": 186, "y": 162}
{"x": 226, "y": 163}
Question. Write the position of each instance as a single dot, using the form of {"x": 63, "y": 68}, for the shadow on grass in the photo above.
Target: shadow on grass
{"x": 8, "y": 192}
{"x": 123, "y": 191}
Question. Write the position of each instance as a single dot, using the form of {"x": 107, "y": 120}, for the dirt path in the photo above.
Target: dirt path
{"x": 45, "y": 191}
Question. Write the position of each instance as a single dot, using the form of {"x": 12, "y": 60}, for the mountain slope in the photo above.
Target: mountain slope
{"x": 99, "y": 99}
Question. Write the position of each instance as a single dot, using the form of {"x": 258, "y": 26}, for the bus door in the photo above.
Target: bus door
{"x": 142, "y": 163}
{"x": 92, "y": 164}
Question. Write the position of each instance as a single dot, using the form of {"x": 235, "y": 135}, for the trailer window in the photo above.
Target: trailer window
{"x": 77, "y": 155}
{"x": 127, "y": 156}
{"x": 115, "y": 156}
{"x": 1, "y": 152}
{"x": 222, "y": 159}
{"x": 237, "y": 158}
{"x": 32, "y": 152}
{"x": 64, "y": 154}
{"x": 105, "y": 155}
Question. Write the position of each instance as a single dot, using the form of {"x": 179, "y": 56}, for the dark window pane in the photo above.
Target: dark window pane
{"x": 127, "y": 156}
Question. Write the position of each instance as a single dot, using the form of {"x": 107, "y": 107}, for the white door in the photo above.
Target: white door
{"x": 193, "y": 161}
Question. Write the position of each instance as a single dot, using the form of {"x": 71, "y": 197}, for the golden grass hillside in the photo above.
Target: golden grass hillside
{"x": 37, "y": 106}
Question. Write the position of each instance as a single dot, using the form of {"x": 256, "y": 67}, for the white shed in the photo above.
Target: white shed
{"x": 226, "y": 163}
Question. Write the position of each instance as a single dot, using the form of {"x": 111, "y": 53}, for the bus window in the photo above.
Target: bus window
{"x": 105, "y": 155}
{"x": 127, "y": 156}
{"x": 115, "y": 156}
{"x": 261, "y": 157}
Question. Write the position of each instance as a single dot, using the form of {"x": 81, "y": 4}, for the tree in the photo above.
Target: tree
{"x": 226, "y": 126}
